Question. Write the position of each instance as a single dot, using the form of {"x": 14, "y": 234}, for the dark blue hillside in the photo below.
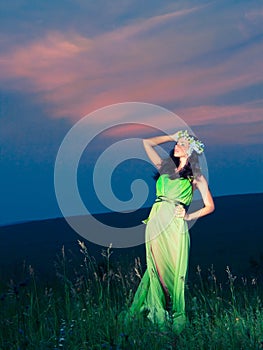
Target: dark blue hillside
{"x": 232, "y": 236}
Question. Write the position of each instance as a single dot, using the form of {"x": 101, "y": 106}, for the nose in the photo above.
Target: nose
{"x": 176, "y": 149}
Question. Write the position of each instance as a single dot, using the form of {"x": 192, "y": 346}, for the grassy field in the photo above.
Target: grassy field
{"x": 81, "y": 308}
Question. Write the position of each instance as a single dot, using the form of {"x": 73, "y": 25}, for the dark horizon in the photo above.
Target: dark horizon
{"x": 111, "y": 212}
{"x": 227, "y": 237}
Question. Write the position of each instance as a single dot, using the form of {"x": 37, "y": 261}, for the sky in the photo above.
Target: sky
{"x": 63, "y": 60}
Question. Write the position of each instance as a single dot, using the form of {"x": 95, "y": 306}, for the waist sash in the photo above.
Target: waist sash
{"x": 170, "y": 200}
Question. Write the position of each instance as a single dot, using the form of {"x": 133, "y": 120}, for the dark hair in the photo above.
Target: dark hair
{"x": 190, "y": 170}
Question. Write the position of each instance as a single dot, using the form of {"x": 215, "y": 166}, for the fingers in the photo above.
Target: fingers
{"x": 175, "y": 136}
{"x": 179, "y": 211}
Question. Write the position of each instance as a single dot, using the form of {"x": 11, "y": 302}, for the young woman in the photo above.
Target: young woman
{"x": 160, "y": 294}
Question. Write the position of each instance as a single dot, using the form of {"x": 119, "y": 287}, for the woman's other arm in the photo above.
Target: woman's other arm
{"x": 209, "y": 206}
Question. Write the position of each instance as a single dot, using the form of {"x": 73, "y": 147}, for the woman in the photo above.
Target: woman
{"x": 161, "y": 291}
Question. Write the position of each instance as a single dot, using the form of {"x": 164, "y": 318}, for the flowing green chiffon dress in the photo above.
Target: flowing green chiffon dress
{"x": 160, "y": 294}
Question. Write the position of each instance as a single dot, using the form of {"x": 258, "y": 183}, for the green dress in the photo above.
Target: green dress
{"x": 160, "y": 294}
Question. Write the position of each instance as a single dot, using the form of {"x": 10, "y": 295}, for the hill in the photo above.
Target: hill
{"x": 231, "y": 236}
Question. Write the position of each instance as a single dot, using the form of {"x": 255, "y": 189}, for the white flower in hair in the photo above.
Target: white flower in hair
{"x": 194, "y": 144}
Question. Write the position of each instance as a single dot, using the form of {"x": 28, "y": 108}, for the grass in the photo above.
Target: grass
{"x": 80, "y": 310}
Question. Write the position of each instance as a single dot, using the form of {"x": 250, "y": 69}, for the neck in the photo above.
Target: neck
{"x": 183, "y": 162}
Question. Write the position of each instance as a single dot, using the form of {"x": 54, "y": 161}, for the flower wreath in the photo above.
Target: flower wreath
{"x": 194, "y": 144}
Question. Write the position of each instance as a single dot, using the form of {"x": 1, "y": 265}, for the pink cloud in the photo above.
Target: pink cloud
{"x": 45, "y": 63}
{"x": 254, "y": 15}
{"x": 127, "y": 130}
{"x": 225, "y": 115}
{"x": 148, "y": 61}
{"x": 243, "y": 120}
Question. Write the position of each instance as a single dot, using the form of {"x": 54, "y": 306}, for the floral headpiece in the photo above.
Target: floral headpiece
{"x": 194, "y": 145}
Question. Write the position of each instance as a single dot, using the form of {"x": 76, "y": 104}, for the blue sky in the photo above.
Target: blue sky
{"x": 61, "y": 60}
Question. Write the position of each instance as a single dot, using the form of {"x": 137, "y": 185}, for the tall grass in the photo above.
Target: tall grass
{"x": 80, "y": 310}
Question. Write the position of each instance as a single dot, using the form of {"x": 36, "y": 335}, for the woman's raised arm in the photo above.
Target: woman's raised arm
{"x": 149, "y": 145}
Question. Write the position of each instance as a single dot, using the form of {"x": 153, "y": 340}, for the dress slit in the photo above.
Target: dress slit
{"x": 164, "y": 287}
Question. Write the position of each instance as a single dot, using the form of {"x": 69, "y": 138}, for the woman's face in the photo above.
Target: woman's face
{"x": 181, "y": 148}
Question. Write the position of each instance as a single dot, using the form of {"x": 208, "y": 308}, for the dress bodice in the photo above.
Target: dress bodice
{"x": 179, "y": 189}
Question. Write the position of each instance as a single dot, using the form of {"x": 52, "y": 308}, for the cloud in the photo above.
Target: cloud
{"x": 43, "y": 63}
{"x": 224, "y": 115}
{"x": 255, "y": 15}
{"x": 175, "y": 59}
{"x": 233, "y": 123}
{"x": 127, "y": 131}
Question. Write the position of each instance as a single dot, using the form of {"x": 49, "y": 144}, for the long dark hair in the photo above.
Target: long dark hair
{"x": 190, "y": 170}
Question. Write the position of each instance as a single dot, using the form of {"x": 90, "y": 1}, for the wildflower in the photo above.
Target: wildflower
{"x": 107, "y": 253}
{"x": 63, "y": 251}
{"x": 230, "y": 276}
{"x": 137, "y": 267}
{"x": 31, "y": 270}
{"x": 96, "y": 276}
{"x": 198, "y": 269}
{"x": 82, "y": 244}
{"x": 244, "y": 280}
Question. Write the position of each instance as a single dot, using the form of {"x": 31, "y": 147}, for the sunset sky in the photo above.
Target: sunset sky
{"x": 61, "y": 60}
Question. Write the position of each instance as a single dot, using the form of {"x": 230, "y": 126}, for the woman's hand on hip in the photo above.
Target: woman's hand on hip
{"x": 180, "y": 211}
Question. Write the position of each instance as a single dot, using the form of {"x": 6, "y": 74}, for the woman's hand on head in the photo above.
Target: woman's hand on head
{"x": 175, "y": 136}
